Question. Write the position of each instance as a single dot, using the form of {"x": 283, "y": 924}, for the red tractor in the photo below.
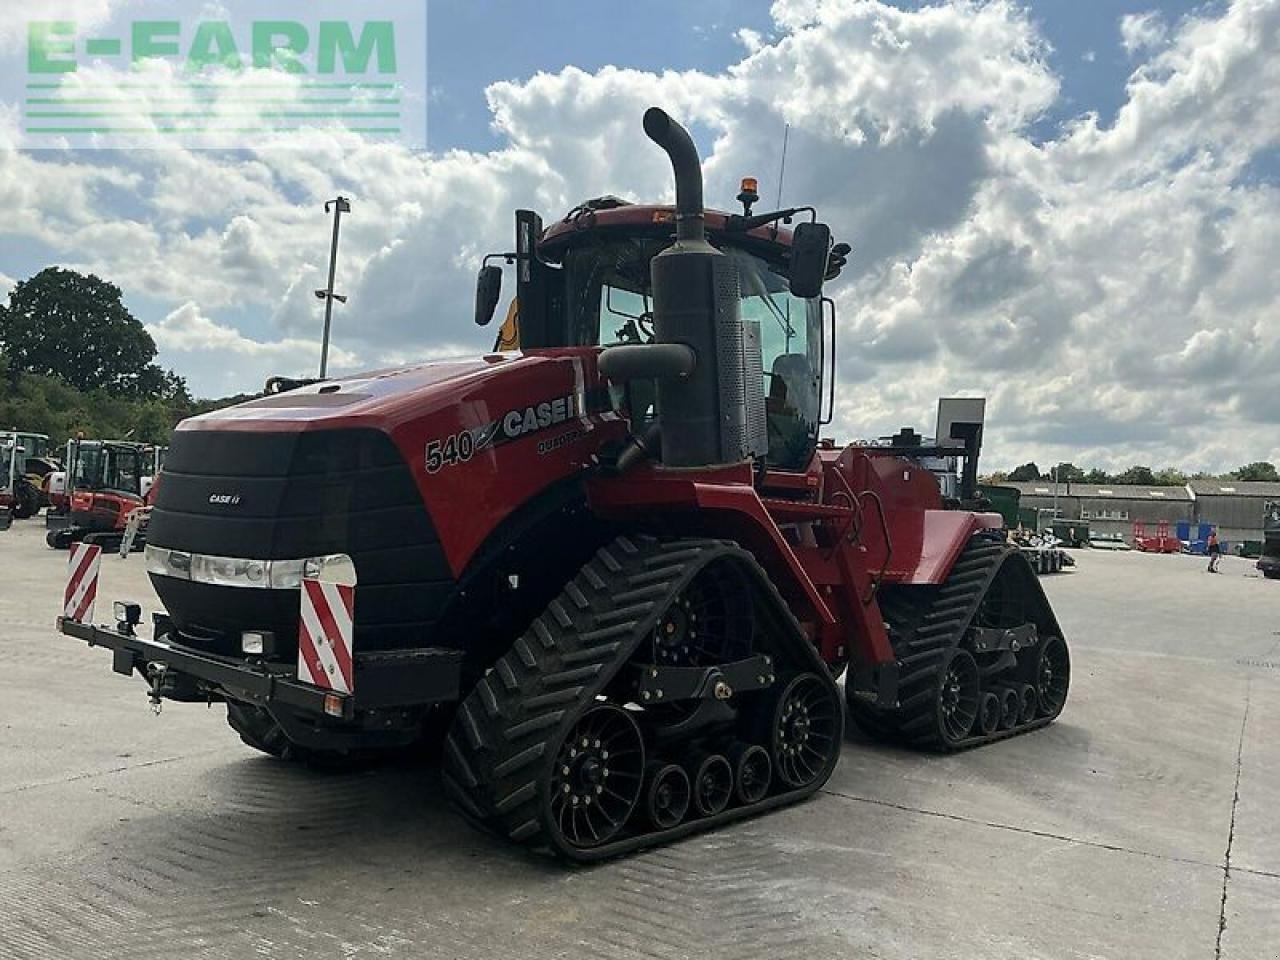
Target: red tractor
{"x": 103, "y": 488}
{"x": 619, "y": 565}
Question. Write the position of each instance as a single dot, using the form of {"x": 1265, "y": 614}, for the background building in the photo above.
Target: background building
{"x": 1234, "y": 507}
{"x": 1113, "y": 508}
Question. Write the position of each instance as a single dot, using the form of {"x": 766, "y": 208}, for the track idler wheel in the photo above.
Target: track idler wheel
{"x": 989, "y": 714}
{"x": 805, "y": 731}
{"x": 598, "y": 776}
{"x": 1052, "y": 676}
{"x": 958, "y": 697}
{"x": 1028, "y": 703}
{"x": 752, "y": 772}
{"x": 666, "y": 799}
{"x": 712, "y": 784}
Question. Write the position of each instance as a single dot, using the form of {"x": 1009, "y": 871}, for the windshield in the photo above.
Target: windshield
{"x": 6, "y": 465}
{"x": 108, "y": 468}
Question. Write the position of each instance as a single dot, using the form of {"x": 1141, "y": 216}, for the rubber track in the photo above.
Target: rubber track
{"x": 497, "y": 754}
{"x": 924, "y": 648}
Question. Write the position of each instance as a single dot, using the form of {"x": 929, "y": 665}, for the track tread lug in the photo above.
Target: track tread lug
{"x": 525, "y": 653}
{"x": 521, "y": 759}
{"x": 505, "y": 673}
{"x": 488, "y": 698}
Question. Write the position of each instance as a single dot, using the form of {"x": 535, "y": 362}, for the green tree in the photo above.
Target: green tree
{"x": 1097, "y": 476}
{"x": 1027, "y": 473}
{"x": 75, "y": 327}
{"x": 1137, "y": 475}
{"x": 1258, "y": 470}
{"x": 1067, "y": 473}
{"x": 1170, "y": 477}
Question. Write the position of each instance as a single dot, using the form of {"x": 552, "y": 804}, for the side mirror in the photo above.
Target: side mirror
{"x": 488, "y": 289}
{"x": 810, "y": 247}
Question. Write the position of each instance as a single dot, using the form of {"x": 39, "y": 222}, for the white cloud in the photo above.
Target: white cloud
{"x": 86, "y": 14}
{"x": 1142, "y": 31}
{"x": 1111, "y": 290}
{"x": 243, "y": 363}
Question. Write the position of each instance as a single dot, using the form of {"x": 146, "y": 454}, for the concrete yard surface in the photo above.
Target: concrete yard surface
{"x": 1144, "y": 823}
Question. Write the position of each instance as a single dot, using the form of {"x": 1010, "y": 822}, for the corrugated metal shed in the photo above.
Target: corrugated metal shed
{"x": 1234, "y": 488}
{"x": 1234, "y": 506}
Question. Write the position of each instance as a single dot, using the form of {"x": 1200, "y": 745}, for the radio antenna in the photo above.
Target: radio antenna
{"x": 782, "y": 168}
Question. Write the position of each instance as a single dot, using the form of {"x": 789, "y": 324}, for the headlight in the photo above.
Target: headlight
{"x": 229, "y": 571}
{"x": 241, "y": 572}
{"x": 168, "y": 563}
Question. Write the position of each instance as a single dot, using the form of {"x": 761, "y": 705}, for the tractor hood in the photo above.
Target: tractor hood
{"x": 382, "y": 398}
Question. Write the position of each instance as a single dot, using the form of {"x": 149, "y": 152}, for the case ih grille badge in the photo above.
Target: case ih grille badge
{"x": 82, "y": 582}
{"x": 325, "y": 631}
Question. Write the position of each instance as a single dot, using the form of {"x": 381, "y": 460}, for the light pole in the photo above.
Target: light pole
{"x": 339, "y": 207}
{"x": 1055, "y": 493}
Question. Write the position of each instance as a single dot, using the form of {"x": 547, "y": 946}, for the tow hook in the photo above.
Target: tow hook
{"x": 155, "y": 676}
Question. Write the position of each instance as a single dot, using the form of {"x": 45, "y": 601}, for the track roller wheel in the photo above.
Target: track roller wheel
{"x": 805, "y": 732}
{"x": 752, "y": 772}
{"x": 712, "y": 784}
{"x": 1053, "y": 676}
{"x": 958, "y": 691}
{"x": 1010, "y": 707}
{"x": 1028, "y": 703}
{"x": 597, "y": 777}
{"x": 666, "y": 799}
{"x": 988, "y": 714}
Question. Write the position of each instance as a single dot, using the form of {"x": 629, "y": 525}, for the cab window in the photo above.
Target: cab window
{"x": 791, "y": 345}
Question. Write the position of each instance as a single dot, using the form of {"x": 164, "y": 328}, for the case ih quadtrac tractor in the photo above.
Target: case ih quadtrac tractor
{"x": 619, "y": 562}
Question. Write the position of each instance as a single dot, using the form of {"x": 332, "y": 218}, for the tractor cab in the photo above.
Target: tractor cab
{"x": 104, "y": 486}
{"x": 586, "y": 281}
{"x": 108, "y": 467}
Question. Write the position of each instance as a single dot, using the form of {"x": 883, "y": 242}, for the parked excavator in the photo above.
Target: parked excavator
{"x": 103, "y": 487}
{"x": 618, "y": 563}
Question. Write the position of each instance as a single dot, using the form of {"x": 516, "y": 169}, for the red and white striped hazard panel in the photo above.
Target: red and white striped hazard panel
{"x": 82, "y": 582}
{"x": 325, "y": 633}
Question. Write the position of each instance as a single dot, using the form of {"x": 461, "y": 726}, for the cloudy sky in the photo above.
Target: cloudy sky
{"x": 1070, "y": 208}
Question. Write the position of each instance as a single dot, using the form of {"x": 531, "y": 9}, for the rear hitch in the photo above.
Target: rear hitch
{"x": 155, "y": 677}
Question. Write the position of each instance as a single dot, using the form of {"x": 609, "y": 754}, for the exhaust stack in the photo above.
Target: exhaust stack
{"x": 702, "y": 415}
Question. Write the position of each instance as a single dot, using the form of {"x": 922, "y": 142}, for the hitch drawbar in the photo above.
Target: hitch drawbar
{"x": 385, "y": 678}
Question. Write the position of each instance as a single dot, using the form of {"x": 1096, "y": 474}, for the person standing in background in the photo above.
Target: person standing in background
{"x": 1215, "y": 551}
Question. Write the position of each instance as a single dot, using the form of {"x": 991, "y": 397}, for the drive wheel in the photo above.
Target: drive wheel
{"x": 26, "y": 502}
{"x": 597, "y": 778}
{"x": 805, "y": 736}
{"x": 1053, "y": 676}
{"x": 958, "y": 695}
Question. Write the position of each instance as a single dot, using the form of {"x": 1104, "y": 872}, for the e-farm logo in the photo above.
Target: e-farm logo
{"x": 282, "y": 69}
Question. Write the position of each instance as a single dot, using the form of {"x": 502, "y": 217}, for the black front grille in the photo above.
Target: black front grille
{"x": 281, "y": 496}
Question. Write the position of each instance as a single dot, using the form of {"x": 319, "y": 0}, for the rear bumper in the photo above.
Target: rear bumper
{"x": 383, "y": 679}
